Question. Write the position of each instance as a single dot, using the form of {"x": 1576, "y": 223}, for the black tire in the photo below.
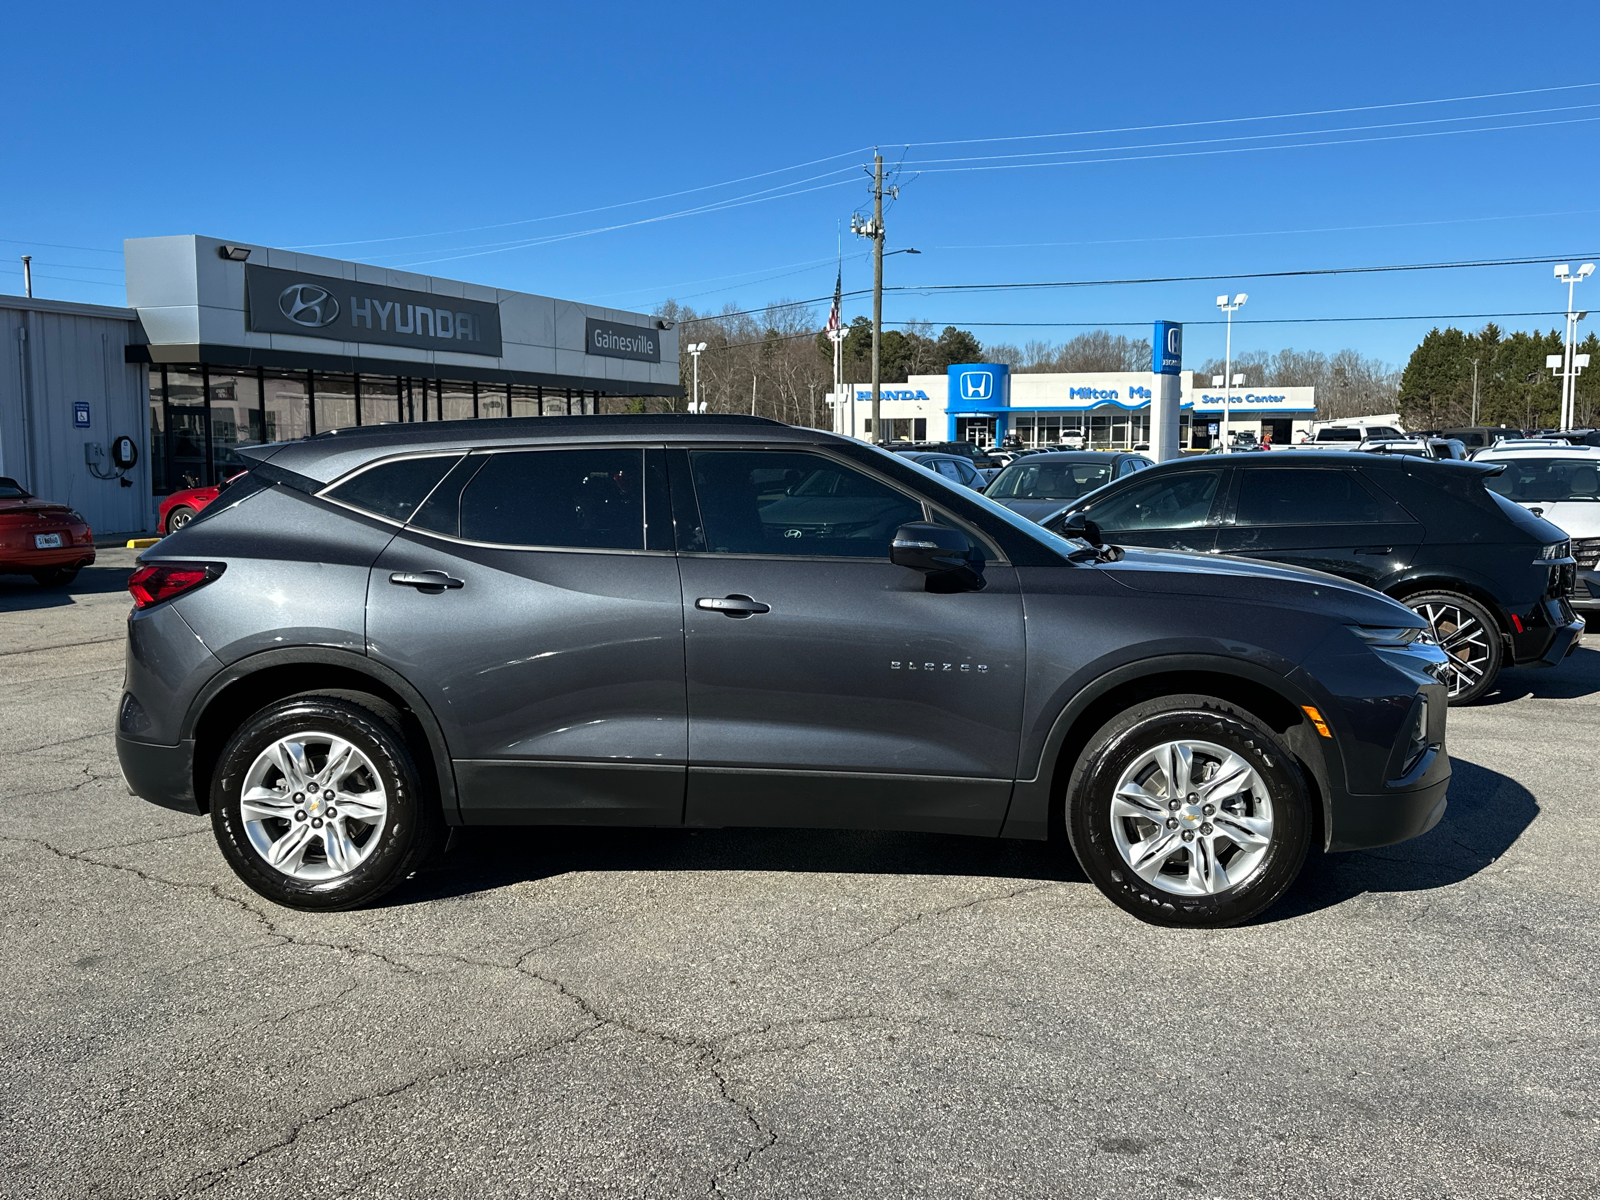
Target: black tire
{"x": 56, "y": 576}
{"x": 405, "y": 840}
{"x": 1135, "y": 733}
{"x": 178, "y": 517}
{"x": 1471, "y": 637}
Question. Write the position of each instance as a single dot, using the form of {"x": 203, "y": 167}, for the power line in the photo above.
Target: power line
{"x": 583, "y": 211}
{"x": 1321, "y": 112}
{"x": 1397, "y": 137}
{"x": 58, "y": 246}
{"x": 1197, "y": 237}
{"x": 1252, "y": 137}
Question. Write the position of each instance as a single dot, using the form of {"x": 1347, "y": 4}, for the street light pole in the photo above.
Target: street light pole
{"x": 694, "y": 349}
{"x": 1569, "y": 376}
{"x": 1227, "y": 368}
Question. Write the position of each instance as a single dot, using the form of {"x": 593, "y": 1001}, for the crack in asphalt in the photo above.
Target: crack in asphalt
{"x": 216, "y": 893}
{"x": 63, "y": 646}
{"x": 920, "y": 916}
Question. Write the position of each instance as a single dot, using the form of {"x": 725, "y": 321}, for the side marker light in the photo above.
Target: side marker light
{"x": 1317, "y": 722}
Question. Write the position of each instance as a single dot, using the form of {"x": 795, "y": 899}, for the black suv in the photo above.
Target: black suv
{"x": 1494, "y": 582}
{"x": 726, "y": 621}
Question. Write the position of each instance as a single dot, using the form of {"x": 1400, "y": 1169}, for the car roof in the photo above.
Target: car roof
{"x": 327, "y": 456}
{"x": 1536, "y": 450}
{"x": 1278, "y": 460}
{"x": 1077, "y": 455}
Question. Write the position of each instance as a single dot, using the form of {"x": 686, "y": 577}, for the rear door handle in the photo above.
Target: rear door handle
{"x": 425, "y": 581}
{"x": 732, "y": 606}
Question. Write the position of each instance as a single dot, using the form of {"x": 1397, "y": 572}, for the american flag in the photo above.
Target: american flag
{"x": 834, "y": 319}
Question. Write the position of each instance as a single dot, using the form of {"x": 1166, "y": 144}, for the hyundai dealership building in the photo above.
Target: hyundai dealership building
{"x": 226, "y": 344}
{"x": 985, "y": 403}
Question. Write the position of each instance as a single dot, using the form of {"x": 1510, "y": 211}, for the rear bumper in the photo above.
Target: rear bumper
{"x": 1552, "y": 632}
{"x": 30, "y": 561}
{"x": 163, "y": 775}
{"x": 1360, "y": 822}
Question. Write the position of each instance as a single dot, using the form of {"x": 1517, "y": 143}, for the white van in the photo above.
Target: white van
{"x": 1561, "y": 484}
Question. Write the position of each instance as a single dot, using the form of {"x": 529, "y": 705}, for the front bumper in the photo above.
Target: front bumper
{"x": 1586, "y": 597}
{"x": 1361, "y": 822}
{"x": 163, "y": 775}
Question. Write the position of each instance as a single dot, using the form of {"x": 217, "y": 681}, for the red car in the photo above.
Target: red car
{"x": 51, "y": 542}
{"x": 178, "y": 509}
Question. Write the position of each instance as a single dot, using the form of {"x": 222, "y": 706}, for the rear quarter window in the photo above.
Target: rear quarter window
{"x": 394, "y": 490}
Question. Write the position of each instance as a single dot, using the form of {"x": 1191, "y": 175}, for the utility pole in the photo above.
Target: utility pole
{"x": 27, "y": 275}
{"x": 874, "y": 229}
{"x": 752, "y": 393}
{"x": 1474, "y": 420}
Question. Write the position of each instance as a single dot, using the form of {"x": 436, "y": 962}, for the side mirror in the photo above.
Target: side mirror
{"x": 944, "y": 555}
{"x": 1076, "y": 525}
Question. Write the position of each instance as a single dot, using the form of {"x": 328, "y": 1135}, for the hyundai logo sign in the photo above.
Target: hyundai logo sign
{"x": 309, "y": 305}
{"x": 977, "y": 385}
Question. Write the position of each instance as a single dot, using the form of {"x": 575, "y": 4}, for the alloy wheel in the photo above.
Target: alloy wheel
{"x": 1463, "y": 638}
{"x": 313, "y": 806}
{"x": 1192, "y": 818}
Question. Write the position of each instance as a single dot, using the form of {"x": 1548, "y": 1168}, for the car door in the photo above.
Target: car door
{"x": 534, "y": 602}
{"x": 827, "y": 686}
{"x": 1173, "y": 510}
{"x": 1325, "y": 518}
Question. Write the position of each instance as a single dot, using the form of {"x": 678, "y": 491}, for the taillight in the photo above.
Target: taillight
{"x": 153, "y": 584}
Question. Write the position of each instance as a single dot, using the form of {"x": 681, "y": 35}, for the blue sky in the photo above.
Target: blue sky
{"x": 358, "y": 127}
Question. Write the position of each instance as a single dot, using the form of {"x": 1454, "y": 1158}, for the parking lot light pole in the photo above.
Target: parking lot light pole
{"x": 1569, "y": 376}
{"x": 694, "y": 348}
{"x": 1227, "y": 367}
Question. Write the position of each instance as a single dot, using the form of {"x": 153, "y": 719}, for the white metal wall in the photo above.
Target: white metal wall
{"x": 52, "y": 354}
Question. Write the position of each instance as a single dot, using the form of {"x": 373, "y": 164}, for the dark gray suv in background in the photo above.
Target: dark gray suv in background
{"x": 719, "y": 621}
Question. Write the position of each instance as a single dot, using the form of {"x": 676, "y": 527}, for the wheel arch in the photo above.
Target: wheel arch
{"x": 257, "y": 680}
{"x": 1035, "y": 810}
{"x": 1414, "y": 585}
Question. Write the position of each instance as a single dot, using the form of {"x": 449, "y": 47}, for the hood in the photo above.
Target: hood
{"x": 1035, "y": 510}
{"x": 1575, "y": 518}
{"x": 1216, "y": 578}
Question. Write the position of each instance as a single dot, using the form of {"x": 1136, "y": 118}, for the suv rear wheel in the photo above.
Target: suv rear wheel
{"x": 1187, "y": 811}
{"x": 1468, "y": 634}
{"x": 317, "y": 803}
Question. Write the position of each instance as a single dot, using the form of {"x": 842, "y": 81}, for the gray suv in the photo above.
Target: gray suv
{"x": 718, "y": 621}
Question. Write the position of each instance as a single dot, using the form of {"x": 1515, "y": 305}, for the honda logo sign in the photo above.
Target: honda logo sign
{"x": 977, "y": 385}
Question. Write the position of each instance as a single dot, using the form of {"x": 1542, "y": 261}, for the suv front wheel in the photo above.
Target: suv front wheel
{"x": 317, "y": 803}
{"x": 1187, "y": 811}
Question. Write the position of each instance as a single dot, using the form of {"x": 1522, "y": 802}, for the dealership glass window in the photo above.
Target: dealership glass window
{"x": 187, "y": 438}
{"x": 494, "y": 400}
{"x": 336, "y": 401}
{"x": 525, "y": 400}
{"x": 288, "y": 405}
{"x": 158, "y": 431}
{"x": 455, "y": 402}
{"x": 552, "y": 402}
{"x": 380, "y": 400}
{"x": 235, "y": 417}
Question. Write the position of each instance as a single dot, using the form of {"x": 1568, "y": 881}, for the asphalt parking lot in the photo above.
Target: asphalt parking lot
{"x": 574, "y": 1013}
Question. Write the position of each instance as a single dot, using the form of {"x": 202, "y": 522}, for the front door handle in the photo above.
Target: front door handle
{"x": 732, "y": 606}
{"x": 432, "y": 582}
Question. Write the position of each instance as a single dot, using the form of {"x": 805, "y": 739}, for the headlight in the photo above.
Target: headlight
{"x": 1555, "y": 550}
{"x": 1378, "y": 635}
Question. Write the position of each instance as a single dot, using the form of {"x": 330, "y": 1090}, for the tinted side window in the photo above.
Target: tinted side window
{"x": 781, "y": 502}
{"x": 1309, "y": 496}
{"x": 591, "y": 499}
{"x": 394, "y": 489}
{"x": 1180, "y": 501}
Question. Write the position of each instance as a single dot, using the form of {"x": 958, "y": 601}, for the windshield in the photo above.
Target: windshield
{"x": 1551, "y": 480}
{"x": 1048, "y": 480}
